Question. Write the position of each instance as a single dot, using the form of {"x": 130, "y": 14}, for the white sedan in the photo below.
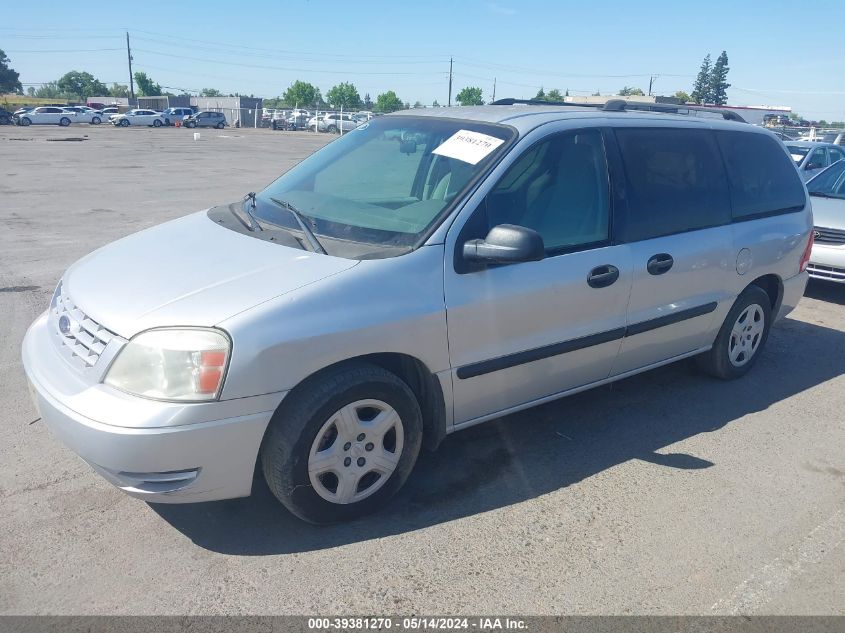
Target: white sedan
{"x": 47, "y": 115}
{"x": 138, "y": 117}
{"x": 85, "y": 114}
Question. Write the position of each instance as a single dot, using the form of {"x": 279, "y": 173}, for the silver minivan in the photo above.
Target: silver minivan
{"x": 429, "y": 271}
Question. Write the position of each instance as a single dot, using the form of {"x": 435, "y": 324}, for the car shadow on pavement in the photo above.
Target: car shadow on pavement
{"x": 826, "y": 291}
{"x": 534, "y": 452}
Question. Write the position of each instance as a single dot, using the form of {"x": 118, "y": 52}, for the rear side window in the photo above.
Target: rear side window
{"x": 675, "y": 182}
{"x": 761, "y": 176}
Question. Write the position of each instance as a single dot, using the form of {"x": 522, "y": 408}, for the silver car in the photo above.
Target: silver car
{"x": 428, "y": 271}
{"x": 812, "y": 156}
{"x": 827, "y": 260}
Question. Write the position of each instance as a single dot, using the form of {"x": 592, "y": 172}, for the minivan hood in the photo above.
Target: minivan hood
{"x": 189, "y": 271}
{"x": 829, "y": 212}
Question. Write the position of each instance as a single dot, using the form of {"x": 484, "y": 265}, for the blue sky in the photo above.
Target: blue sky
{"x": 781, "y": 53}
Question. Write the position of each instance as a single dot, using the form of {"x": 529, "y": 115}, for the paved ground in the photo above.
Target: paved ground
{"x": 667, "y": 493}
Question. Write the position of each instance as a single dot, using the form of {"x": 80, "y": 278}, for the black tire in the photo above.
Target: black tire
{"x": 220, "y": 126}
{"x": 717, "y": 362}
{"x": 294, "y": 428}
{"x": 156, "y": 123}
{"x": 96, "y": 120}
{"x": 64, "y": 121}
{"x": 124, "y": 123}
{"x": 191, "y": 124}
{"x": 25, "y": 121}
{"x": 332, "y": 129}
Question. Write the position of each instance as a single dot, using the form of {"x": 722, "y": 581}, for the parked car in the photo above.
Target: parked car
{"x": 827, "y": 189}
{"x": 811, "y": 157}
{"x": 86, "y": 115}
{"x": 335, "y": 122}
{"x": 47, "y": 115}
{"x": 137, "y": 117}
{"x": 205, "y": 119}
{"x": 110, "y": 112}
{"x": 298, "y": 121}
{"x": 171, "y": 115}
{"x": 386, "y": 292}
{"x": 6, "y": 117}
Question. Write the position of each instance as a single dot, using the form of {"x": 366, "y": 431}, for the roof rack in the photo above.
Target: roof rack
{"x": 621, "y": 105}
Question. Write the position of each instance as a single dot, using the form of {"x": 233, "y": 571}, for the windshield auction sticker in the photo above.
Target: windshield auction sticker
{"x": 470, "y": 147}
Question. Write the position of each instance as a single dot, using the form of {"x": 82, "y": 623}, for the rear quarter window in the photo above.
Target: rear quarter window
{"x": 762, "y": 178}
{"x": 675, "y": 182}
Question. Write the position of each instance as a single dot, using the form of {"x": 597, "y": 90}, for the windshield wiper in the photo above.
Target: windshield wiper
{"x": 313, "y": 242}
{"x": 820, "y": 194}
{"x": 248, "y": 207}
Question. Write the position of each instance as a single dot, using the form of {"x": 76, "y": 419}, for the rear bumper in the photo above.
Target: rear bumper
{"x": 793, "y": 290}
{"x": 201, "y": 461}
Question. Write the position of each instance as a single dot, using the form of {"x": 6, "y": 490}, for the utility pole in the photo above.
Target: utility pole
{"x": 494, "y": 88}
{"x": 131, "y": 79}
{"x": 450, "y": 81}
{"x": 650, "y": 83}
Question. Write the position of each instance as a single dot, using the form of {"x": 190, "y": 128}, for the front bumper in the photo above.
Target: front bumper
{"x": 178, "y": 463}
{"x": 827, "y": 262}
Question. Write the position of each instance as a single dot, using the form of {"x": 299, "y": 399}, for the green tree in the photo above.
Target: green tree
{"x": 470, "y": 96}
{"x": 541, "y": 95}
{"x": 628, "y": 91}
{"x": 119, "y": 90}
{"x": 344, "y": 95}
{"x": 9, "y": 79}
{"x": 210, "y": 92}
{"x": 388, "y": 102}
{"x": 682, "y": 96}
{"x": 301, "y": 93}
{"x": 30, "y": 91}
{"x": 368, "y": 103}
{"x": 719, "y": 80}
{"x": 48, "y": 91}
{"x": 418, "y": 104}
{"x": 701, "y": 88}
{"x": 81, "y": 85}
{"x": 435, "y": 104}
{"x": 554, "y": 95}
{"x": 146, "y": 86}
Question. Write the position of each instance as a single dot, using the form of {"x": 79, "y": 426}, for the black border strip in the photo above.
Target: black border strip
{"x": 555, "y": 349}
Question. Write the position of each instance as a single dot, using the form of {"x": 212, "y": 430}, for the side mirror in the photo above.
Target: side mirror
{"x": 812, "y": 166}
{"x": 506, "y": 244}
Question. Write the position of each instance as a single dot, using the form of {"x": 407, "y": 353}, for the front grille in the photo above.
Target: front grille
{"x": 829, "y": 236}
{"x": 817, "y": 271}
{"x": 83, "y": 337}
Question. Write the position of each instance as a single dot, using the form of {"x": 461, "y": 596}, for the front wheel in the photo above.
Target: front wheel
{"x": 25, "y": 121}
{"x": 191, "y": 124}
{"x": 741, "y": 337}
{"x": 156, "y": 123}
{"x": 64, "y": 121}
{"x": 124, "y": 123}
{"x": 96, "y": 121}
{"x": 342, "y": 444}
{"x": 332, "y": 129}
{"x": 220, "y": 126}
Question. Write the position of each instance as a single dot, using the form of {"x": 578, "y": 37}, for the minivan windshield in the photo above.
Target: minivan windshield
{"x": 385, "y": 182}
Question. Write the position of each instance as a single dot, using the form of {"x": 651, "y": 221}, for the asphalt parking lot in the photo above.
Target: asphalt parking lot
{"x": 667, "y": 493}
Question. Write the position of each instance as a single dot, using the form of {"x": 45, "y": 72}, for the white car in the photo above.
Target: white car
{"x": 139, "y": 117}
{"x": 47, "y": 115}
{"x": 85, "y": 114}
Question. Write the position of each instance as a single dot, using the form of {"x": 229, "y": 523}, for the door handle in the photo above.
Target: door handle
{"x": 659, "y": 264}
{"x": 603, "y": 276}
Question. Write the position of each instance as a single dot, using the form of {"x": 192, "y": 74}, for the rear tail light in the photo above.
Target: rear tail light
{"x": 805, "y": 258}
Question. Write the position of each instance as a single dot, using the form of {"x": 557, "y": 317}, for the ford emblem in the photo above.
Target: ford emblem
{"x": 64, "y": 324}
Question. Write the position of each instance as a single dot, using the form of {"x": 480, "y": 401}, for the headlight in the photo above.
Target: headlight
{"x": 184, "y": 364}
